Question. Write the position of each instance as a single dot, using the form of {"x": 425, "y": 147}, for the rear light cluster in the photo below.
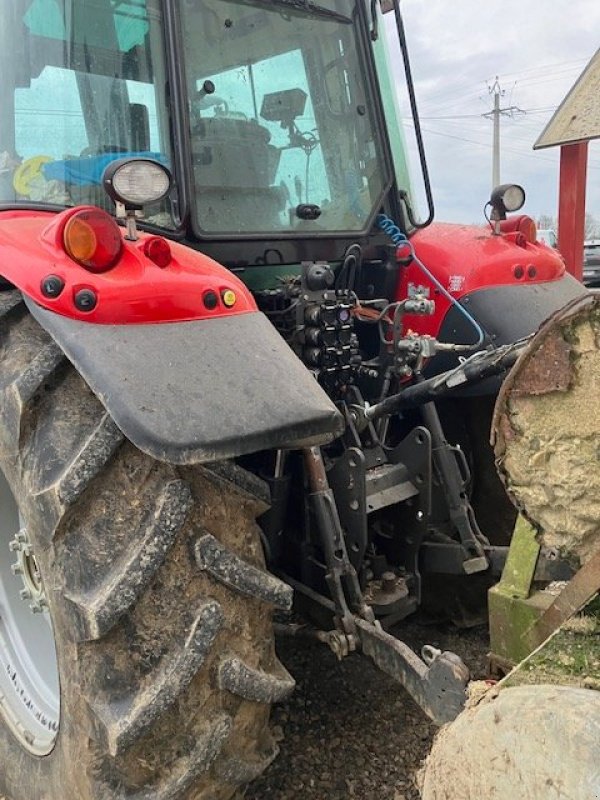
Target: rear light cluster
{"x": 528, "y": 228}
{"x": 93, "y": 239}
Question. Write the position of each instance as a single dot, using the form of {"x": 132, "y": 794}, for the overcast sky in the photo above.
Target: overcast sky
{"x": 537, "y": 48}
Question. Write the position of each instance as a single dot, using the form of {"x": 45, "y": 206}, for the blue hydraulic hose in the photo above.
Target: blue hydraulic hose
{"x": 388, "y": 226}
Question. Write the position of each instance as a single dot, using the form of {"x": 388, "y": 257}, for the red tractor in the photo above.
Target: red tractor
{"x": 236, "y": 371}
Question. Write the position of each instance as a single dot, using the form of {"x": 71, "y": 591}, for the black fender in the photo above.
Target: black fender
{"x": 506, "y": 314}
{"x": 198, "y": 391}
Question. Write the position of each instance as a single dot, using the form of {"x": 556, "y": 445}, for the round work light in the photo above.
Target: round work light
{"x": 506, "y": 198}
{"x": 136, "y": 182}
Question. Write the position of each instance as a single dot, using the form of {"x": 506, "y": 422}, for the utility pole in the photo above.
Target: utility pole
{"x": 496, "y": 90}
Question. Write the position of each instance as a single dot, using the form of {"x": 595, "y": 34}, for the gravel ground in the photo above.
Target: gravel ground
{"x": 349, "y": 731}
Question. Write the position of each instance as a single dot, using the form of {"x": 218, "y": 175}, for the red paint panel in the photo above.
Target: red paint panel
{"x": 135, "y": 290}
{"x": 571, "y": 205}
{"x": 465, "y": 258}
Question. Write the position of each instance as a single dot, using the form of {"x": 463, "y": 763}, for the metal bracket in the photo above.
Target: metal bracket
{"x": 438, "y": 685}
{"x": 341, "y": 578}
{"x": 347, "y": 480}
{"x": 437, "y": 681}
{"x": 454, "y": 478}
{"x": 415, "y": 452}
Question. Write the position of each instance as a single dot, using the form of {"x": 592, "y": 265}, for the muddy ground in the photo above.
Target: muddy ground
{"x": 349, "y": 731}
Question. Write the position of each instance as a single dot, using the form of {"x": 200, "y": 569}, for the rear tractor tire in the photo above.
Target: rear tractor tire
{"x": 136, "y": 646}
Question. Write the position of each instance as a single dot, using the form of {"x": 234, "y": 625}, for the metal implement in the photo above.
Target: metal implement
{"x": 341, "y": 577}
{"x": 439, "y": 686}
{"x": 514, "y": 605}
{"x": 454, "y": 485}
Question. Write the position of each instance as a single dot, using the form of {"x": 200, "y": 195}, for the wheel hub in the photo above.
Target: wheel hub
{"x": 29, "y": 681}
{"x": 27, "y": 568}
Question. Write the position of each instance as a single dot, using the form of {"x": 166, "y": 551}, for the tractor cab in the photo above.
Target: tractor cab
{"x": 269, "y": 114}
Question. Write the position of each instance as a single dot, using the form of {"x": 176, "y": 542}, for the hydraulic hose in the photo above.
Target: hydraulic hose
{"x": 388, "y": 226}
{"x": 485, "y": 365}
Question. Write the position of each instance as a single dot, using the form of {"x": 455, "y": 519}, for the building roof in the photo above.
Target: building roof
{"x": 577, "y": 119}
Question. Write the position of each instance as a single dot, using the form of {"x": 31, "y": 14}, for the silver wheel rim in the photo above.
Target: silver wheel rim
{"x": 29, "y": 683}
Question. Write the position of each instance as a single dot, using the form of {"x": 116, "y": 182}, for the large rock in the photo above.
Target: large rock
{"x": 522, "y": 743}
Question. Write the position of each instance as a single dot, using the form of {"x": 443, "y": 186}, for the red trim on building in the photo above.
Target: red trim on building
{"x": 571, "y": 207}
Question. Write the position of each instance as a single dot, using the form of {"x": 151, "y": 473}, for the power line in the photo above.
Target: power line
{"x": 544, "y": 69}
{"x": 478, "y": 116}
{"x": 508, "y": 137}
{"x": 530, "y": 154}
{"x": 454, "y": 116}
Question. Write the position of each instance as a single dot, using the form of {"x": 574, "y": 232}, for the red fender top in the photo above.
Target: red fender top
{"x": 465, "y": 258}
{"x": 135, "y": 290}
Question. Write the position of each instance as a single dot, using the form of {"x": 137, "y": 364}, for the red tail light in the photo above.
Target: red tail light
{"x": 93, "y": 239}
{"x": 520, "y": 224}
{"x": 158, "y": 251}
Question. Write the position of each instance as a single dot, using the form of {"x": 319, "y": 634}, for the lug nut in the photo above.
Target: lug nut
{"x": 16, "y": 569}
{"x": 25, "y": 594}
{"x": 38, "y": 605}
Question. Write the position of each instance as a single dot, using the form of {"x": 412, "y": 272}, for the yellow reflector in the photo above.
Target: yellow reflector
{"x": 229, "y": 298}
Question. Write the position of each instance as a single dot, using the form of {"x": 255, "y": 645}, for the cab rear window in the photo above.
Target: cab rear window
{"x": 45, "y": 18}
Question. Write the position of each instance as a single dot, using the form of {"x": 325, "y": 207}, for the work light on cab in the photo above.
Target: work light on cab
{"x": 506, "y": 198}
{"x": 92, "y": 238}
{"x": 133, "y": 183}
{"x": 136, "y": 182}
